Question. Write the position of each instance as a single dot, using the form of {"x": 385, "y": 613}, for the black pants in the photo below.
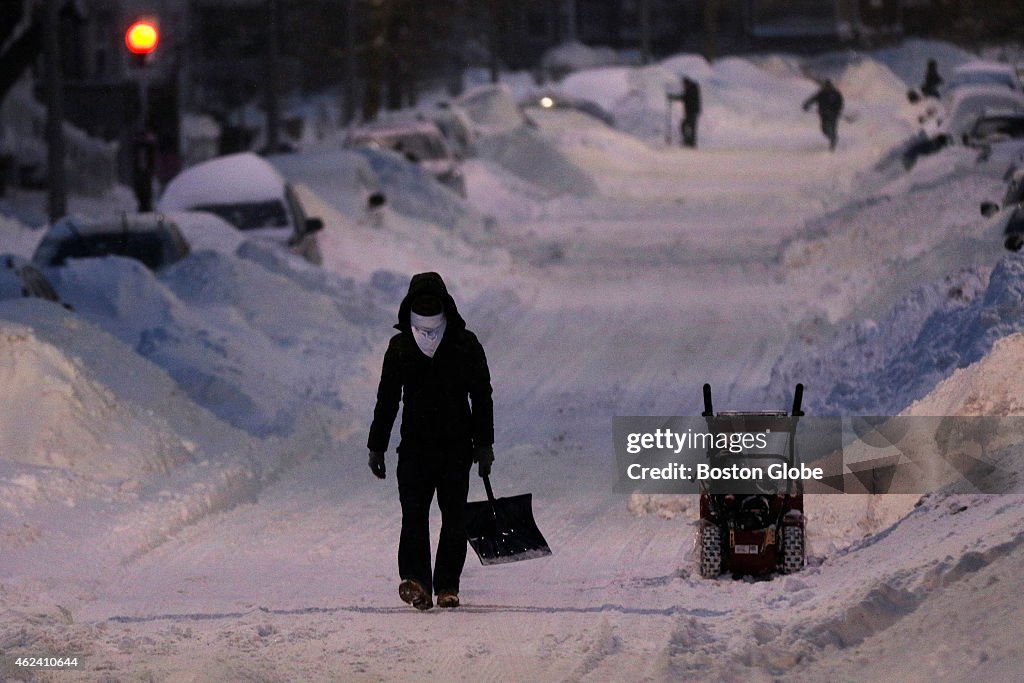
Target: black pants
{"x": 419, "y": 475}
{"x": 689, "y": 130}
{"x": 829, "y": 125}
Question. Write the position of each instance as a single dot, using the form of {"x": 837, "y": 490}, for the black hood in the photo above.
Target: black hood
{"x": 429, "y": 283}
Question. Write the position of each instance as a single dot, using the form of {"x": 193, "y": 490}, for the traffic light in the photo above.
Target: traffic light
{"x": 141, "y": 38}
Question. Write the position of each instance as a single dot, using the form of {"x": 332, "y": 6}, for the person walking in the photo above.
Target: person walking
{"x": 438, "y": 370}
{"x": 691, "y": 111}
{"x": 830, "y": 105}
{"x": 932, "y": 80}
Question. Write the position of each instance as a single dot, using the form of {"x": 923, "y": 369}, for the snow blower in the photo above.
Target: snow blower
{"x": 760, "y": 531}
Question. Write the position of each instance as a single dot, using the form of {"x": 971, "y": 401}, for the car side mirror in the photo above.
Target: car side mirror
{"x": 989, "y": 209}
{"x": 313, "y": 225}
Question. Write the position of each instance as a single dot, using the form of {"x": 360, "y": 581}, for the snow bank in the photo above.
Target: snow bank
{"x": 909, "y": 59}
{"x": 57, "y": 414}
{"x": 410, "y": 190}
{"x": 991, "y": 386}
{"x": 530, "y": 157}
{"x": 872, "y": 82}
{"x": 345, "y": 178}
{"x": 576, "y": 56}
{"x": 255, "y": 361}
{"x": 17, "y": 238}
{"x": 879, "y": 367}
{"x": 492, "y": 109}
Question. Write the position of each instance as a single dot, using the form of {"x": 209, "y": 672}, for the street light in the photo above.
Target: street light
{"x": 141, "y": 39}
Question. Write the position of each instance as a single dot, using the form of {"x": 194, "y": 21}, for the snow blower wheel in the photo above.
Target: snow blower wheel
{"x": 792, "y": 549}
{"x": 710, "y": 551}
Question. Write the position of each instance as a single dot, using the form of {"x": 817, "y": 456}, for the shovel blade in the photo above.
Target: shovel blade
{"x": 505, "y": 531}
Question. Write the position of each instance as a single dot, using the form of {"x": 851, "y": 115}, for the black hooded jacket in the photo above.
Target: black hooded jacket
{"x": 446, "y": 399}
{"x": 829, "y": 101}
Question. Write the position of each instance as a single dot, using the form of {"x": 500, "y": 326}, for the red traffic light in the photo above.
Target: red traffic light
{"x": 142, "y": 37}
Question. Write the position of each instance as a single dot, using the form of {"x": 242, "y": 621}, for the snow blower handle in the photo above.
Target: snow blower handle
{"x": 708, "y": 409}
{"x": 798, "y": 398}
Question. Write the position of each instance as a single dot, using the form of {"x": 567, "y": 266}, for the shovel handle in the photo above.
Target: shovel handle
{"x": 490, "y": 493}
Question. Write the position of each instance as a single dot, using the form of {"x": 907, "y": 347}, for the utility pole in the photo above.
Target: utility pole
{"x": 58, "y": 201}
{"x": 711, "y": 8}
{"x": 349, "y": 109}
{"x": 273, "y": 58}
{"x": 645, "y": 31}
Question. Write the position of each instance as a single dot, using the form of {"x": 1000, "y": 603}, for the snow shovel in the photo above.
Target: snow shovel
{"x": 502, "y": 530}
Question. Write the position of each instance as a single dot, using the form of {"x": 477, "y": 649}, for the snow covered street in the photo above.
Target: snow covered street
{"x": 183, "y": 485}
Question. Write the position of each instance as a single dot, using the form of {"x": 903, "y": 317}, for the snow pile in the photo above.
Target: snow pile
{"x": 529, "y": 156}
{"x": 204, "y": 230}
{"x": 254, "y": 361}
{"x": 871, "y": 81}
{"x": 746, "y": 104}
{"x": 909, "y": 59}
{"x": 411, "y": 191}
{"x": 492, "y": 109}
{"x": 56, "y": 414}
{"x": 878, "y": 368}
{"x": 345, "y": 177}
{"x": 576, "y": 56}
{"x": 18, "y": 239}
{"x": 991, "y": 386}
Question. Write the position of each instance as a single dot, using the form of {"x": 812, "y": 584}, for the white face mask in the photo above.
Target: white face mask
{"x": 427, "y": 330}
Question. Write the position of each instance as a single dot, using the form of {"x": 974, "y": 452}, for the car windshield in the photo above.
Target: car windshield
{"x": 250, "y": 215}
{"x": 420, "y": 146}
{"x": 983, "y": 78}
{"x": 999, "y": 127}
{"x": 146, "y": 247}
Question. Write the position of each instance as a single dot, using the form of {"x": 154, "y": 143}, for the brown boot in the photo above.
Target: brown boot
{"x": 447, "y": 599}
{"x": 413, "y": 592}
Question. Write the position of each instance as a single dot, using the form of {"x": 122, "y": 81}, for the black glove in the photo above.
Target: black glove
{"x": 377, "y": 464}
{"x": 485, "y": 456}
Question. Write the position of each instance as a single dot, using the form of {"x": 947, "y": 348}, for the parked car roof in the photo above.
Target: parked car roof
{"x": 421, "y": 139}
{"x": 235, "y": 178}
{"x": 984, "y": 72}
{"x": 150, "y": 238}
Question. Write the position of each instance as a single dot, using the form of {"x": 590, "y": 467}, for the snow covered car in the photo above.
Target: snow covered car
{"x": 150, "y": 238}
{"x": 995, "y": 128}
{"x": 1011, "y": 213}
{"x": 983, "y": 72}
{"x": 249, "y": 193}
{"x": 421, "y": 142}
{"x": 969, "y": 104}
{"x": 19, "y": 278}
{"x": 555, "y": 101}
{"x": 759, "y": 530}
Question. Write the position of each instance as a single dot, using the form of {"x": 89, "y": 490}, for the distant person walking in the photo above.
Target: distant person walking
{"x": 691, "y": 111}
{"x": 690, "y": 97}
{"x": 830, "y": 105}
{"x": 932, "y": 80}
